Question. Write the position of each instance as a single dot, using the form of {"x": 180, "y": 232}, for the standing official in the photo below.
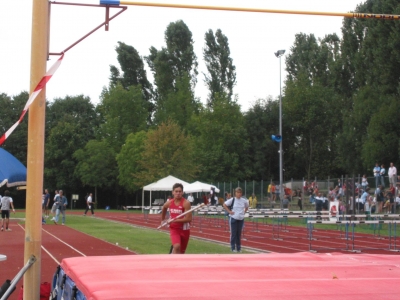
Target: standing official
{"x": 236, "y": 207}
{"x": 89, "y": 204}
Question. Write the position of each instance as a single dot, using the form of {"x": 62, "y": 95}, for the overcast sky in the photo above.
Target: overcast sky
{"x": 253, "y": 39}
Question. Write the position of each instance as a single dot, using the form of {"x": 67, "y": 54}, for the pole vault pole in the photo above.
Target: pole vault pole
{"x": 181, "y": 215}
{"x": 260, "y": 10}
{"x": 35, "y": 158}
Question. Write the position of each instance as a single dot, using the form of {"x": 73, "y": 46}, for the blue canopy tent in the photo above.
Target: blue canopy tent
{"x": 12, "y": 171}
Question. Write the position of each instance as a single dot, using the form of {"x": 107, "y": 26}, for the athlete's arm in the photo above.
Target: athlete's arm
{"x": 164, "y": 210}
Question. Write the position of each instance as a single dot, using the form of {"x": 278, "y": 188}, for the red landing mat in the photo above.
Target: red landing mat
{"x": 237, "y": 276}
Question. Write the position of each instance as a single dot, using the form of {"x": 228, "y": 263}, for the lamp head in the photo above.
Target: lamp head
{"x": 279, "y": 53}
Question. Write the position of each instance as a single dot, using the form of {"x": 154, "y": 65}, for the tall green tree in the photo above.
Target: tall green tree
{"x": 96, "y": 164}
{"x": 169, "y": 151}
{"x": 124, "y": 112}
{"x": 221, "y": 77}
{"x": 72, "y": 122}
{"x": 133, "y": 73}
{"x": 311, "y": 112}
{"x": 129, "y": 161}
{"x": 221, "y": 143}
{"x": 261, "y": 121}
{"x": 173, "y": 67}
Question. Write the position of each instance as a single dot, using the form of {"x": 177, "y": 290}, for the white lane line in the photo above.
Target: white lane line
{"x": 45, "y": 250}
{"x": 64, "y": 242}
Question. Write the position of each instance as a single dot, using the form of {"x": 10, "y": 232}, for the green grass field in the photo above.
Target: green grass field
{"x": 139, "y": 240}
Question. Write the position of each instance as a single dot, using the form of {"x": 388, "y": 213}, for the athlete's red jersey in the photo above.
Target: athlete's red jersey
{"x": 176, "y": 210}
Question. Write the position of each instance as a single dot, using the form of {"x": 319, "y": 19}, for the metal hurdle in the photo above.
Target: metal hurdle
{"x": 283, "y": 219}
{"x": 392, "y": 246}
{"x": 215, "y": 219}
{"x": 375, "y": 217}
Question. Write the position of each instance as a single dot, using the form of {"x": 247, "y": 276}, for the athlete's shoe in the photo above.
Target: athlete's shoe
{"x": 62, "y": 224}
{"x": 2, "y": 228}
{"x": 8, "y": 229}
{"x": 234, "y": 251}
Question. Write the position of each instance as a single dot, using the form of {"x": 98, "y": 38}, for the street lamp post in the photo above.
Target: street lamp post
{"x": 279, "y": 54}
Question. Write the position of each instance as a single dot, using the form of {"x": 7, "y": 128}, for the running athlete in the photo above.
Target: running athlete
{"x": 179, "y": 228}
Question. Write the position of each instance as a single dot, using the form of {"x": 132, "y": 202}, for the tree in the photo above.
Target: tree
{"x": 310, "y": 111}
{"x": 96, "y": 164}
{"x": 124, "y": 112}
{"x": 72, "y": 124}
{"x": 168, "y": 152}
{"x": 173, "y": 67}
{"x": 220, "y": 141}
{"x": 222, "y": 73}
{"x": 129, "y": 161}
{"x": 261, "y": 121}
{"x": 383, "y": 135}
{"x": 133, "y": 73}
{"x": 180, "y": 104}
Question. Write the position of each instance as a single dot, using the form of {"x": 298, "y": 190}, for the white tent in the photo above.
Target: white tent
{"x": 198, "y": 186}
{"x": 164, "y": 184}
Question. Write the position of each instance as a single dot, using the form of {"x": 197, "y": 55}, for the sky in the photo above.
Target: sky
{"x": 253, "y": 39}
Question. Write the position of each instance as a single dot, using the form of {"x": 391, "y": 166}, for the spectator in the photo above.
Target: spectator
{"x": 390, "y": 196}
{"x": 397, "y": 203}
{"x": 269, "y": 191}
{"x": 367, "y": 206}
{"x": 5, "y": 204}
{"x": 379, "y": 198}
{"x": 364, "y": 182}
{"x": 288, "y": 192}
{"x": 325, "y": 202}
{"x": 273, "y": 192}
{"x": 236, "y": 220}
{"x": 377, "y": 174}
{"x": 363, "y": 199}
{"x": 54, "y": 206}
{"x": 392, "y": 174}
{"x": 62, "y": 203}
{"x": 253, "y": 201}
{"x": 300, "y": 199}
{"x": 46, "y": 203}
{"x": 286, "y": 202}
{"x": 318, "y": 202}
{"x": 190, "y": 199}
{"x": 382, "y": 173}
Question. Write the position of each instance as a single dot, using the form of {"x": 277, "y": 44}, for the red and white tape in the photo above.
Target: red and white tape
{"x": 32, "y": 97}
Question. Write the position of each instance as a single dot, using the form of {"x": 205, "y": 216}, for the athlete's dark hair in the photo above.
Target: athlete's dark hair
{"x": 176, "y": 185}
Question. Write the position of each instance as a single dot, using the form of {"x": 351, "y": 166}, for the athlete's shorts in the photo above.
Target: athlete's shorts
{"x": 5, "y": 214}
{"x": 180, "y": 236}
